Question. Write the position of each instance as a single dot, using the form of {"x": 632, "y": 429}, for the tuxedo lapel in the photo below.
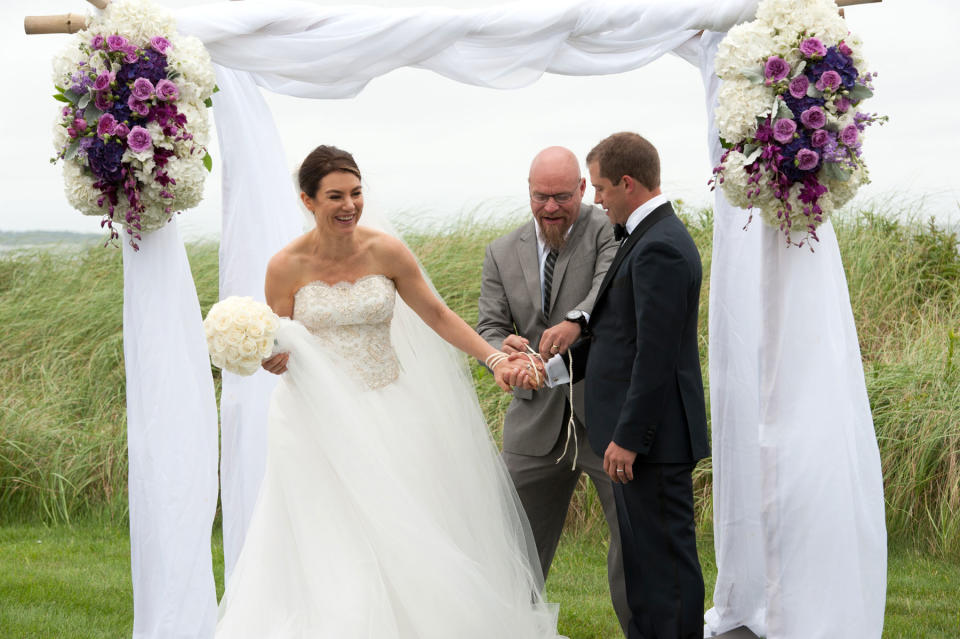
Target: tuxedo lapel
{"x": 530, "y": 264}
{"x": 569, "y": 248}
{"x": 659, "y": 213}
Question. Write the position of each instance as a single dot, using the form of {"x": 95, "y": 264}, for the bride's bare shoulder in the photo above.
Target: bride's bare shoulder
{"x": 287, "y": 261}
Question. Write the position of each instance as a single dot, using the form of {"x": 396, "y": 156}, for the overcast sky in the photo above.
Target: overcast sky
{"x": 432, "y": 149}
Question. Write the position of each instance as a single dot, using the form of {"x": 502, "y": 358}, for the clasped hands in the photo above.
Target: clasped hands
{"x": 524, "y": 367}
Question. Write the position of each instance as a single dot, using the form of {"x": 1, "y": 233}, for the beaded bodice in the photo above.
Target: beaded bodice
{"x": 352, "y": 319}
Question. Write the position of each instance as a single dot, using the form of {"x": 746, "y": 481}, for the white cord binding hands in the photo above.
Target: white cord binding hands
{"x": 571, "y": 424}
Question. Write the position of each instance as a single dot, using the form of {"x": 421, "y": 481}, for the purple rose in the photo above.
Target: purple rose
{"x": 121, "y": 131}
{"x": 829, "y": 80}
{"x": 776, "y": 69}
{"x": 807, "y": 159}
{"x": 107, "y": 125}
{"x": 813, "y": 47}
{"x": 80, "y": 124}
{"x": 137, "y": 107}
{"x": 844, "y": 49}
{"x": 843, "y": 105}
{"x": 819, "y": 138}
{"x": 799, "y": 86}
{"x": 142, "y": 89}
{"x": 97, "y": 42}
{"x": 101, "y": 101}
{"x": 850, "y": 135}
{"x": 102, "y": 82}
{"x": 130, "y": 55}
{"x": 139, "y": 139}
{"x": 813, "y": 118}
{"x": 116, "y": 42}
{"x": 71, "y": 132}
{"x": 159, "y": 44}
{"x": 783, "y": 130}
{"x": 167, "y": 90}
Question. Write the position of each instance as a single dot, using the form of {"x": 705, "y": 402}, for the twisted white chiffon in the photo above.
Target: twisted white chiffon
{"x": 382, "y": 513}
{"x": 799, "y": 526}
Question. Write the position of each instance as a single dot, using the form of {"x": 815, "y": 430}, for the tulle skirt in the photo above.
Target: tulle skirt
{"x": 382, "y": 513}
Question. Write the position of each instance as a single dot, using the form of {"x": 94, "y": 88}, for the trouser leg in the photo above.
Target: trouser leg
{"x": 663, "y": 577}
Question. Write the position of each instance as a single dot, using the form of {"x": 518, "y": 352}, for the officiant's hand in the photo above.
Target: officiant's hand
{"x": 276, "y": 364}
{"x": 619, "y": 458}
{"x": 557, "y": 339}
{"x": 514, "y": 344}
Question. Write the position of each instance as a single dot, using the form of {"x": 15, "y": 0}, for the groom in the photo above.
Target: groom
{"x": 645, "y": 410}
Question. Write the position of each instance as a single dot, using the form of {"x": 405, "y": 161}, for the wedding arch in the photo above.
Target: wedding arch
{"x": 789, "y": 407}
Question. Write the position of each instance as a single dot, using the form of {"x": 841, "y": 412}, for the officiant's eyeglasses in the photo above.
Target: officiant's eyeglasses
{"x": 559, "y": 198}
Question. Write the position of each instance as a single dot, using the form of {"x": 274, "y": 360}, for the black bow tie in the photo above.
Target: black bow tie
{"x": 620, "y": 232}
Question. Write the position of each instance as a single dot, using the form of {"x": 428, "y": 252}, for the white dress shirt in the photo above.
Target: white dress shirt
{"x": 556, "y": 369}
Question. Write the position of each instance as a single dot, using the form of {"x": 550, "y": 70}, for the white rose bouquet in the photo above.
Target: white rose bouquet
{"x": 240, "y": 332}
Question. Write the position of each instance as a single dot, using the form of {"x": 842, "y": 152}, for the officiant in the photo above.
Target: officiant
{"x": 539, "y": 284}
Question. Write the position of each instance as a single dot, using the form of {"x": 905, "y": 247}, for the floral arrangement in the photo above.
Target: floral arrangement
{"x": 240, "y": 333}
{"x": 789, "y": 114}
{"x": 133, "y": 128}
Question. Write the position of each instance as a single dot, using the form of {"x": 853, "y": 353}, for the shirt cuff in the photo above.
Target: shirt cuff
{"x": 556, "y": 370}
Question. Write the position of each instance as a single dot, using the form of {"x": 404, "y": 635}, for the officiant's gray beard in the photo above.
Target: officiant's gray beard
{"x": 554, "y": 237}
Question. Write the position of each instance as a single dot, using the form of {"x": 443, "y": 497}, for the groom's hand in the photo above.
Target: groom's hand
{"x": 617, "y": 457}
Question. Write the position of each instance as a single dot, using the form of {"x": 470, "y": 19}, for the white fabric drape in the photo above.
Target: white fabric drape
{"x": 799, "y": 530}
{"x": 259, "y": 218}
{"x": 302, "y": 49}
{"x": 806, "y": 350}
{"x": 171, "y": 442}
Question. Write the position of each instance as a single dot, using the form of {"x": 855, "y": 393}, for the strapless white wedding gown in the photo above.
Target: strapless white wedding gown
{"x": 384, "y": 511}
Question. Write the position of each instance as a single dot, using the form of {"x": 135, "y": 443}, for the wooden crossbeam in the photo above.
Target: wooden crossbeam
{"x": 66, "y": 23}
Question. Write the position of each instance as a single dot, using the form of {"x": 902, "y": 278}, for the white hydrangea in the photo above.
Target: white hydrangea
{"x": 192, "y": 60}
{"x": 65, "y": 63}
{"x": 137, "y": 21}
{"x": 79, "y": 190}
{"x": 240, "y": 332}
{"x": 739, "y": 103}
{"x": 735, "y": 180}
{"x": 842, "y": 192}
{"x": 746, "y": 45}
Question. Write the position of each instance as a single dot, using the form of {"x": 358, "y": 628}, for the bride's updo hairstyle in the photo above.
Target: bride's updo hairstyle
{"x": 321, "y": 162}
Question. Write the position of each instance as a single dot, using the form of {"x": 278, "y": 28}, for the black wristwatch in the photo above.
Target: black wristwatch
{"x": 578, "y": 317}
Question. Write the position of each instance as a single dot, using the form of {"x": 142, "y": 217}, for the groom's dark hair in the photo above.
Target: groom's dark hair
{"x": 627, "y": 154}
{"x": 321, "y": 162}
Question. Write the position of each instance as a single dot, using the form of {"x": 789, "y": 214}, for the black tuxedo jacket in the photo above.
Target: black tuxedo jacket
{"x": 641, "y": 359}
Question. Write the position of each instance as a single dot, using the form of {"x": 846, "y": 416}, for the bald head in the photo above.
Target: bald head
{"x": 556, "y": 190}
{"x": 555, "y": 163}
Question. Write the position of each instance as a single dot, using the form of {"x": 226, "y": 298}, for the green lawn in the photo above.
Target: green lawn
{"x": 74, "y": 582}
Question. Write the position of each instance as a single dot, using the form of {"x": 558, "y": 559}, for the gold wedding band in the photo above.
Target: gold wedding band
{"x": 555, "y": 347}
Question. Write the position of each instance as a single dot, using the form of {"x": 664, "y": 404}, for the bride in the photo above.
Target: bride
{"x": 384, "y": 510}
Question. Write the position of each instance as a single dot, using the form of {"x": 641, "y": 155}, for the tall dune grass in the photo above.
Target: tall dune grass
{"x": 62, "y": 423}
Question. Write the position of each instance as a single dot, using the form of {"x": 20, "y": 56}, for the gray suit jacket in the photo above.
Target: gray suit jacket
{"x": 510, "y": 302}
